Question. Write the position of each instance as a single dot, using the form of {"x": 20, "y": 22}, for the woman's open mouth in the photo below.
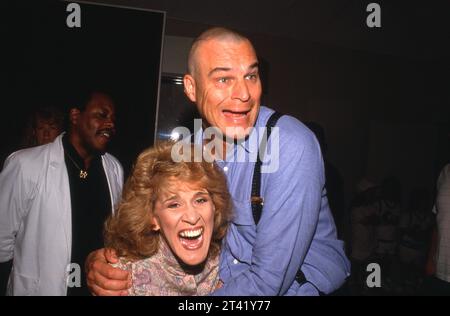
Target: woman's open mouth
{"x": 191, "y": 239}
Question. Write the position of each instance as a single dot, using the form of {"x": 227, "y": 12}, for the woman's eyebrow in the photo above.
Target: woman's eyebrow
{"x": 202, "y": 193}
{"x": 172, "y": 197}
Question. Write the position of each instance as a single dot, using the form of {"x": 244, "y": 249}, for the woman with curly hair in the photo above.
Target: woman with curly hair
{"x": 169, "y": 226}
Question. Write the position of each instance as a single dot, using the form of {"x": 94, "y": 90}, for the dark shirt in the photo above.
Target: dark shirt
{"x": 91, "y": 204}
{"x": 5, "y": 270}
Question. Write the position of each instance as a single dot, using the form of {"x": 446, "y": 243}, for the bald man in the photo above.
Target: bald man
{"x": 293, "y": 248}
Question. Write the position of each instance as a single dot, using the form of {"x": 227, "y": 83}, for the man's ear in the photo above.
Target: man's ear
{"x": 189, "y": 87}
{"x": 74, "y": 115}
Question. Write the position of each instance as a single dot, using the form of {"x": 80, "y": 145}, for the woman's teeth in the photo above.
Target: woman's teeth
{"x": 191, "y": 233}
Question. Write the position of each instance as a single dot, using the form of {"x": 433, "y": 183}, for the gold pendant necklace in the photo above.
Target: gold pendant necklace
{"x": 83, "y": 173}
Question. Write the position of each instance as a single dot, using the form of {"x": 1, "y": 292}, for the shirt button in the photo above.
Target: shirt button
{"x": 235, "y": 261}
{"x": 225, "y": 169}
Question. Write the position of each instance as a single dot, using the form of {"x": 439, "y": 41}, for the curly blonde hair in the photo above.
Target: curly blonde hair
{"x": 129, "y": 231}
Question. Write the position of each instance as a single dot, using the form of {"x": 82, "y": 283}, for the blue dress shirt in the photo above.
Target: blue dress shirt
{"x": 296, "y": 227}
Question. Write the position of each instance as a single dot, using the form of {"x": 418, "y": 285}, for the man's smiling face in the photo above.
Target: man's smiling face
{"x": 226, "y": 85}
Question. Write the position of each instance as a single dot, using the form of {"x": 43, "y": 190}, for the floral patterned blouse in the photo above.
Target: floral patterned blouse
{"x": 162, "y": 275}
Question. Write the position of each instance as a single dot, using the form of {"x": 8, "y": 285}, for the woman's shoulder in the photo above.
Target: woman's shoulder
{"x": 123, "y": 264}
{"x": 136, "y": 265}
{"x": 145, "y": 282}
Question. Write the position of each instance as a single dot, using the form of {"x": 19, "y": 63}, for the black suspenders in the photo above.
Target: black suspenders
{"x": 257, "y": 202}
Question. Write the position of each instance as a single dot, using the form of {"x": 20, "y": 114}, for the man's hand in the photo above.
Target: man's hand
{"x": 219, "y": 284}
{"x": 102, "y": 278}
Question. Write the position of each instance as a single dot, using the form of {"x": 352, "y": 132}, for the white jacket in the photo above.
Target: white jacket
{"x": 36, "y": 217}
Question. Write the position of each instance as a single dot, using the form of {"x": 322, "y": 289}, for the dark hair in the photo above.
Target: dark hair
{"x": 81, "y": 97}
{"x": 48, "y": 113}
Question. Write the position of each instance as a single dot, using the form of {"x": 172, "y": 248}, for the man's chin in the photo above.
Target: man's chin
{"x": 101, "y": 147}
{"x": 102, "y": 151}
{"x": 229, "y": 133}
{"x": 99, "y": 150}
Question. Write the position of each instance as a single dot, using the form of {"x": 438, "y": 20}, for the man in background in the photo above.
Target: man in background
{"x": 54, "y": 200}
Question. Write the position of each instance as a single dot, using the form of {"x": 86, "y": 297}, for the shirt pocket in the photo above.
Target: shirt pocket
{"x": 242, "y": 213}
{"x": 242, "y": 233}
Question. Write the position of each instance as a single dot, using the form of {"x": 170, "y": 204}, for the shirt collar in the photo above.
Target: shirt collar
{"x": 245, "y": 144}
{"x": 72, "y": 152}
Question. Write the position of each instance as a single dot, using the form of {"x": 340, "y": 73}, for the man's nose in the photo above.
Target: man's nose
{"x": 110, "y": 123}
{"x": 241, "y": 91}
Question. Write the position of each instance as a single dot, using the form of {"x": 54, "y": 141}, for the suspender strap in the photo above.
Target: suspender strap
{"x": 257, "y": 201}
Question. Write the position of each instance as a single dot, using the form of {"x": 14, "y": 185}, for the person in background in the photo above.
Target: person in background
{"x": 45, "y": 124}
{"x": 387, "y": 229}
{"x": 439, "y": 282}
{"x": 55, "y": 198}
{"x": 416, "y": 224}
{"x": 364, "y": 218}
